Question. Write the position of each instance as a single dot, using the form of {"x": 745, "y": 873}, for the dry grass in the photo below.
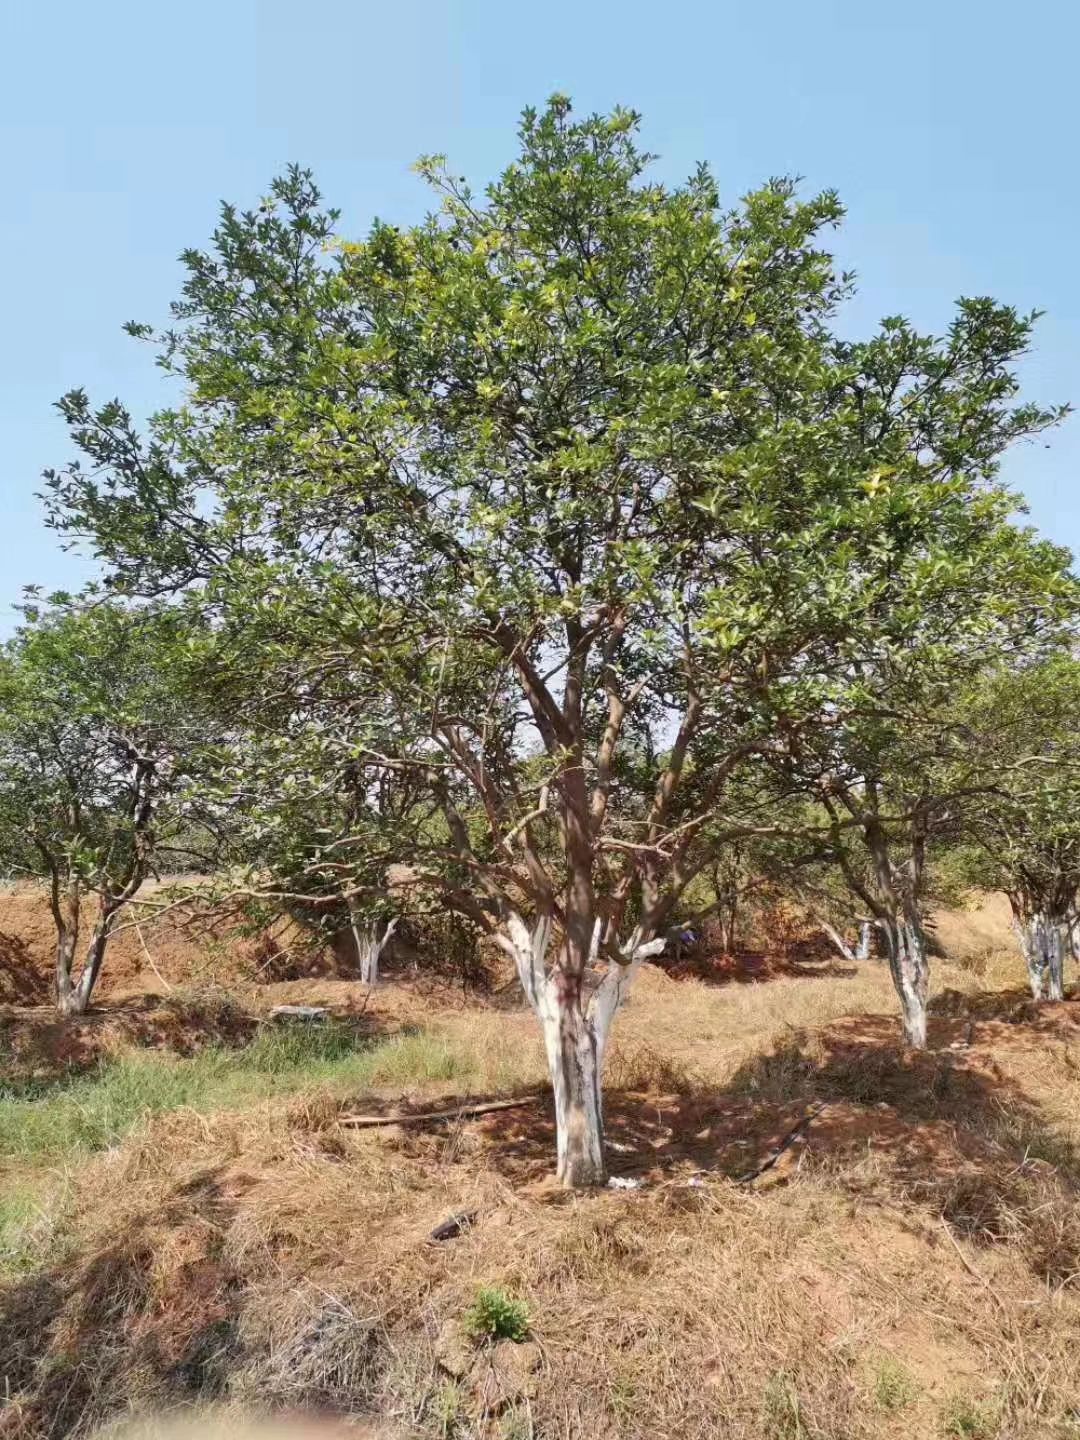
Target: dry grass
{"x": 910, "y": 1269}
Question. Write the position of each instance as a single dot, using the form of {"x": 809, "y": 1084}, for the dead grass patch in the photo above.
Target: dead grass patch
{"x": 907, "y": 1268}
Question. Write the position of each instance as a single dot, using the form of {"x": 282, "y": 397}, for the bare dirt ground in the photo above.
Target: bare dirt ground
{"x": 815, "y": 1235}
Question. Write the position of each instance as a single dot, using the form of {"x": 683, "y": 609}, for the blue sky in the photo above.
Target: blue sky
{"x": 951, "y": 130}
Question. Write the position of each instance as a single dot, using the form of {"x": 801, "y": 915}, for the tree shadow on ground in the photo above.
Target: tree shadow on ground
{"x": 756, "y": 967}
{"x": 147, "y": 1317}
{"x": 942, "y": 1131}
{"x": 39, "y": 1050}
{"x": 22, "y": 981}
{"x": 1012, "y": 1006}
{"x": 37, "y": 1044}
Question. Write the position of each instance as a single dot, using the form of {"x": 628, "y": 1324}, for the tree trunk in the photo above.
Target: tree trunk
{"x": 1074, "y": 935}
{"x": 575, "y": 1031}
{"x": 73, "y": 998}
{"x": 599, "y": 936}
{"x": 575, "y": 1051}
{"x": 95, "y": 954}
{"x": 371, "y": 939}
{"x": 906, "y": 949}
{"x": 866, "y": 933}
{"x": 65, "y": 961}
{"x": 65, "y": 909}
{"x": 831, "y": 932}
{"x": 1045, "y": 940}
{"x": 728, "y": 917}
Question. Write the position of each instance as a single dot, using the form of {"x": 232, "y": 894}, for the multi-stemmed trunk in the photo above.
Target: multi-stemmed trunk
{"x": 73, "y": 996}
{"x": 576, "y": 1023}
{"x": 1045, "y": 939}
{"x": 905, "y": 947}
{"x": 897, "y": 914}
{"x": 371, "y": 938}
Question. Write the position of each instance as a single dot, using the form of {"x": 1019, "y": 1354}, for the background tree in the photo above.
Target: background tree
{"x": 313, "y": 831}
{"x": 98, "y": 748}
{"x": 924, "y": 583}
{"x": 1022, "y": 831}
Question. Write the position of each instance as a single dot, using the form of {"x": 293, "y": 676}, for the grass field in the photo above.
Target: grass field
{"x": 197, "y": 1235}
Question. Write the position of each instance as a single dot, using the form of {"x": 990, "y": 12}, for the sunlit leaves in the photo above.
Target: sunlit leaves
{"x": 581, "y": 422}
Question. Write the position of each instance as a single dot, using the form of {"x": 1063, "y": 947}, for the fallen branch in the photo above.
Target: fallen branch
{"x": 150, "y": 958}
{"x": 785, "y": 1144}
{"x": 463, "y": 1112}
{"x": 450, "y": 1229}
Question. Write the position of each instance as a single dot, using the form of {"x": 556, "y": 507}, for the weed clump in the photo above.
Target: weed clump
{"x": 966, "y": 1419}
{"x": 894, "y": 1387}
{"x": 495, "y": 1315}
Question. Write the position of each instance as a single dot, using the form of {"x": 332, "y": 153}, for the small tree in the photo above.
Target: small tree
{"x": 96, "y": 760}
{"x": 307, "y": 827}
{"x": 1023, "y": 829}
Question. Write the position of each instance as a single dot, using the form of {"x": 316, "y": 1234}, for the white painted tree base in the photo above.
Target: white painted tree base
{"x": 575, "y": 1032}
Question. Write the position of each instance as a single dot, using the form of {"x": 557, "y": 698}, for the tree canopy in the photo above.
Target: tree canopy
{"x": 99, "y": 750}
{"x": 569, "y": 504}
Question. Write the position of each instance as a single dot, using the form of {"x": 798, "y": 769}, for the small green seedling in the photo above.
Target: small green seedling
{"x": 495, "y": 1315}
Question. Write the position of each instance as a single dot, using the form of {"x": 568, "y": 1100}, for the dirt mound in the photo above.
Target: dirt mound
{"x": 142, "y": 958}
{"x": 982, "y": 927}
{"x": 191, "y": 946}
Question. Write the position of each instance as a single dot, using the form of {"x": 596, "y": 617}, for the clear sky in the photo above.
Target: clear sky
{"x": 950, "y": 128}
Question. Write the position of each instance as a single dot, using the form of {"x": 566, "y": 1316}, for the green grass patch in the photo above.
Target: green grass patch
{"x": 29, "y": 1211}
{"x": 894, "y": 1387}
{"x": 94, "y": 1110}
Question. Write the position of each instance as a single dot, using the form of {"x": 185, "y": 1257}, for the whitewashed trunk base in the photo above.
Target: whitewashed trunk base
{"x": 1045, "y": 941}
{"x": 370, "y": 941}
{"x": 575, "y": 1032}
{"x": 908, "y": 965}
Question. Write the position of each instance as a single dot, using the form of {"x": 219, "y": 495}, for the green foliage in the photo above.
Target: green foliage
{"x": 524, "y": 530}
{"x": 94, "y": 729}
{"x": 495, "y": 1315}
{"x": 101, "y": 744}
{"x": 1020, "y": 828}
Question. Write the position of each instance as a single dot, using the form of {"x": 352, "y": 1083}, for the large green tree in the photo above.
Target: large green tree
{"x": 547, "y": 500}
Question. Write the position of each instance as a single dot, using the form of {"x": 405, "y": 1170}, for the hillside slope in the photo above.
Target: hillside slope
{"x": 814, "y": 1235}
